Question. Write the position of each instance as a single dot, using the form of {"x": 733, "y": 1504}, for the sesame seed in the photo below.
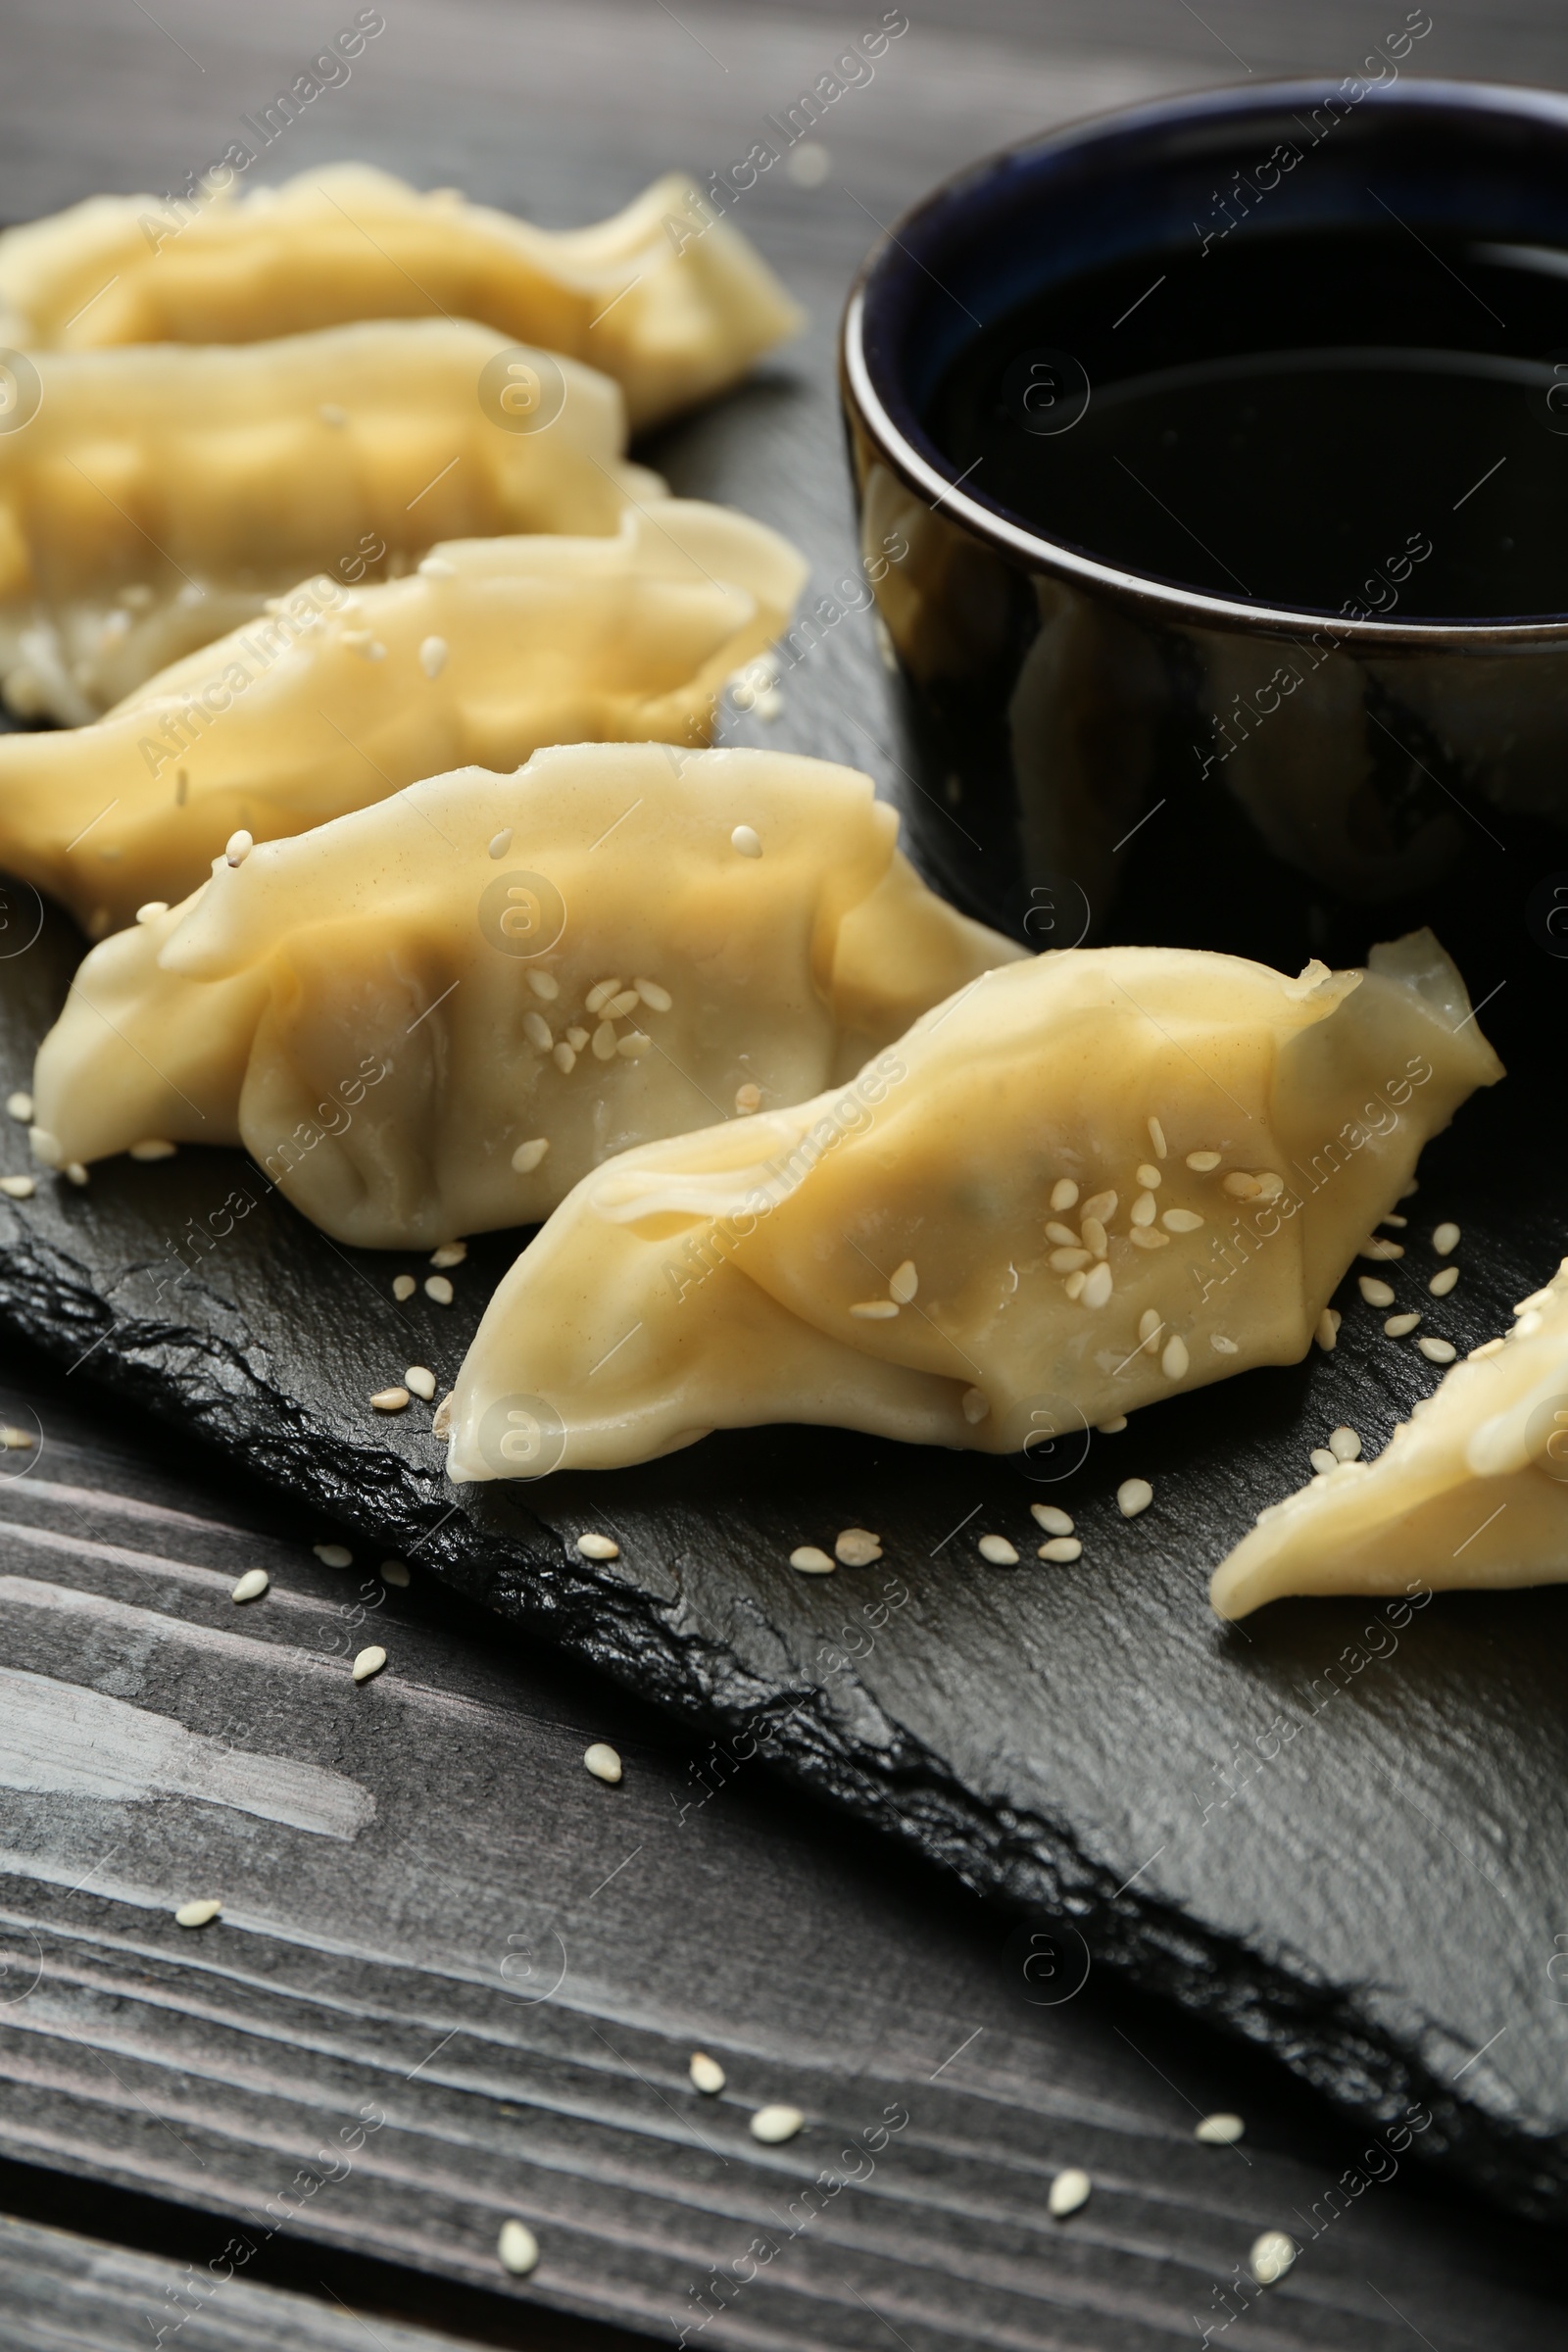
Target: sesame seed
{"x": 544, "y": 984}
{"x": 1063, "y": 1194}
{"x": 252, "y": 1585}
{"x": 1442, "y": 1283}
{"x": 1062, "y": 1261}
{"x": 517, "y": 2248}
{"x": 154, "y": 907}
{"x": 603, "y": 1762}
{"x": 1060, "y": 1547}
{"x": 20, "y": 1106}
{"x": 1241, "y": 1186}
{"x": 1203, "y": 1164}
{"x": 1487, "y": 1348}
{"x": 449, "y": 1254}
{"x": 577, "y": 1039}
{"x": 1175, "y": 1361}
{"x": 1133, "y": 1495}
{"x": 527, "y": 1156}
{"x": 1142, "y": 1212}
{"x": 1113, "y": 1427}
{"x": 1156, "y": 1135}
{"x": 620, "y": 1003}
{"x": 1064, "y": 1234}
{"x": 635, "y": 1042}
{"x": 1074, "y": 1284}
{"x": 707, "y": 2073}
{"x": 904, "y": 1282}
{"x": 747, "y": 1097}
{"x": 404, "y": 1286}
{"x": 1327, "y": 1329}
{"x": 810, "y": 1560}
{"x": 1535, "y": 1299}
{"x": 1399, "y": 1327}
{"x": 537, "y": 1030}
{"x": 657, "y": 999}
{"x": 858, "y": 1547}
{"x": 1181, "y": 1220}
{"x": 1100, "y": 1205}
{"x": 500, "y": 843}
{"x": 1375, "y": 1292}
{"x": 1145, "y": 1237}
{"x": 73, "y": 1172}
{"x": 333, "y": 1555}
{"x": 771, "y": 2124}
{"x": 153, "y": 1147}
{"x": 1271, "y": 2257}
{"x": 437, "y": 1287}
{"x": 604, "y": 1042}
{"x": 598, "y": 1548}
{"x": 1345, "y": 1443}
{"x": 1097, "y": 1285}
{"x": 875, "y": 1310}
{"x": 437, "y": 568}
{"x": 420, "y": 1381}
{"x": 1150, "y": 1323}
{"x": 998, "y": 1552}
{"x": 1375, "y": 1245}
{"x": 238, "y": 846}
{"x": 394, "y": 1572}
{"x": 1270, "y": 1184}
{"x": 19, "y": 1187}
{"x": 747, "y": 841}
{"x": 564, "y": 1060}
{"x": 1392, "y": 1220}
{"x": 1526, "y": 1325}
{"x": 15, "y": 1440}
{"x": 1438, "y": 1352}
{"x": 1445, "y": 1240}
{"x": 197, "y": 1915}
{"x": 1221, "y": 1345}
{"x": 600, "y": 993}
{"x": 1055, "y": 1522}
{"x": 433, "y": 657}
{"x": 369, "y": 1661}
{"x": 47, "y": 1148}
{"x": 1150, "y": 1175}
{"x": 1070, "y": 2188}
{"x": 1322, "y": 1460}
{"x": 1095, "y": 1237}
{"x": 441, "y": 1418}
{"x": 1219, "y": 2130}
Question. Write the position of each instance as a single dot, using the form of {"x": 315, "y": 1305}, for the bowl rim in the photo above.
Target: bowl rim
{"x": 1012, "y": 538}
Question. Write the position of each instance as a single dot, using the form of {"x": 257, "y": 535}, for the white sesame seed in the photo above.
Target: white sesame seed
{"x": 1392, "y": 1220}
{"x": 73, "y": 1172}
{"x": 1150, "y": 1175}
{"x": 1068, "y": 1261}
{"x": 1095, "y": 1237}
{"x": 998, "y": 1552}
{"x": 604, "y": 1042}
{"x": 1487, "y": 1348}
{"x": 1150, "y": 1323}
{"x": 1113, "y": 1427}
{"x": 1271, "y": 2256}
{"x": 449, "y": 1254}
{"x": 875, "y": 1310}
{"x": 15, "y": 1440}
{"x": 433, "y": 657}
{"x": 537, "y": 1030}
{"x": 252, "y": 1585}
{"x": 1064, "y": 1234}
{"x": 657, "y": 999}
{"x": 420, "y": 1381}
{"x": 857, "y": 1547}
{"x": 238, "y": 846}
{"x": 1345, "y": 1443}
{"x": 1133, "y": 1495}
{"x": 19, "y": 1187}
{"x": 1175, "y": 1361}
{"x": 1322, "y": 1460}
{"x": 1327, "y": 1329}
{"x": 1142, "y": 1212}
{"x": 1070, "y": 2188}
{"x": 333, "y": 1555}
{"x": 1203, "y": 1164}
{"x": 1445, "y": 1238}
{"x": 197, "y": 1914}
{"x": 1442, "y": 1283}
{"x": 904, "y": 1282}
{"x": 1097, "y": 1285}
{"x": 544, "y": 984}
{"x": 1156, "y": 1135}
{"x": 747, "y": 841}
{"x": 404, "y": 1286}
{"x": 500, "y": 843}
{"x": 153, "y": 1147}
{"x": 517, "y": 2248}
{"x": 1063, "y": 1194}
{"x": 810, "y": 1560}
{"x": 1270, "y": 1184}
{"x": 437, "y": 1287}
{"x": 1060, "y": 1547}
{"x": 1376, "y": 1246}
{"x": 1527, "y": 1325}
{"x": 1399, "y": 1327}
{"x": 1438, "y": 1352}
{"x": 1098, "y": 1205}
{"x": 1241, "y": 1186}
{"x": 598, "y": 1548}
{"x": 603, "y": 1762}
{"x": 369, "y": 1661}
{"x": 772, "y": 2125}
{"x": 1074, "y": 1284}
{"x": 154, "y": 907}
{"x": 620, "y": 1003}
{"x": 1055, "y": 1522}
{"x": 707, "y": 2073}
{"x": 1147, "y": 1237}
{"x": 600, "y": 993}
{"x": 564, "y": 1060}
{"x": 46, "y": 1148}
{"x": 1535, "y": 1299}
{"x": 1219, "y": 2130}
{"x": 1375, "y": 1292}
{"x": 747, "y": 1097}
{"x": 437, "y": 568}
{"x": 636, "y": 1042}
{"x": 394, "y": 1572}
{"x": 1181, "y": 1220}
{"x": 1221, "y": 1345}
{"x": 20, "y": 1106}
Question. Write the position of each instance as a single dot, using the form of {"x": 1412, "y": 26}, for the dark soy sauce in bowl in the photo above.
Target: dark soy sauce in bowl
{"x": 1316, "y": 418}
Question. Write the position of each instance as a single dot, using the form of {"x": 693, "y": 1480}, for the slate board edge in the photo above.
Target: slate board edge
{"x": 1328, "y": 2036}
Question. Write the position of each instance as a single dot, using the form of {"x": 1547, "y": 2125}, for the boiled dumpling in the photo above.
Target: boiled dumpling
{"x": 1473, "y": 1490}
{"x": 1089, "y": 1181}
{"x": 671, "y": 315}
{"x": 513, "y": 977}
{"x": 493, "y": 648}
{"x": 154, "y": 499}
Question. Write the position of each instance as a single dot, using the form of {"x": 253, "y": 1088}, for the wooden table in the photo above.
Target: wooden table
{"x": 489, "y": 1965}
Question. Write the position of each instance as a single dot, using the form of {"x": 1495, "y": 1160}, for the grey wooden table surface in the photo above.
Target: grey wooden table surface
{"x": 447, "y": 1951}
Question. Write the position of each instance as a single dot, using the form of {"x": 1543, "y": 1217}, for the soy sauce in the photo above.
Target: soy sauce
{"x": 1372, "y": 422}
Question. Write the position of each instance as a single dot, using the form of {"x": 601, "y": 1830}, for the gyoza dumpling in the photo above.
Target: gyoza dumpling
{"x": 154, "y": 499}
{"x": 1472, "y": 1491}
{"x": 493, "y": 648}
{"x": 673, "y": 310}
{"x": 1089, "y": 1181}
{"x": 535, "y": 972}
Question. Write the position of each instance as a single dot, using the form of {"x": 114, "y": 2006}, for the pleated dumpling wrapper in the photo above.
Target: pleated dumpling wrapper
{"x": 664, "y": 297}
{"x": 492, "y": 649}
{"x": 153, "y": 499}
{"x": 1472, "y": 1491}
{"x": 436, "y": 1015}
{"x": 1089, "y": 1181}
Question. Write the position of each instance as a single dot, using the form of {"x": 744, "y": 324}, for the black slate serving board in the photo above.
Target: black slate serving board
{"x": 1379, "y": 1899}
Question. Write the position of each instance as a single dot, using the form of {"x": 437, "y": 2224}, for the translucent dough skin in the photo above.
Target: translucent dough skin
{"x": 205, "y": 480}
{"x": 728, "y": 1260}
{"x": 546, "y": 640}
{"x": 347, "y": 1005}
{"x": 1462, "y": 1496}
{"x": 347, "y": 241}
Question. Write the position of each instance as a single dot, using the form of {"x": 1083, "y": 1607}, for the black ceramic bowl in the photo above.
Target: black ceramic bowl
{"x": 1234, "y": 694}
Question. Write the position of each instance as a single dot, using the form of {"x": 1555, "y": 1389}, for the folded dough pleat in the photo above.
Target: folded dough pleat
{"x": 157, "y": 497}
{"x": 492, "y": 649}
{"x": 674, "y": 311}
{"x": 513, "y": 977}
{"x": 1086, "y": 1182}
